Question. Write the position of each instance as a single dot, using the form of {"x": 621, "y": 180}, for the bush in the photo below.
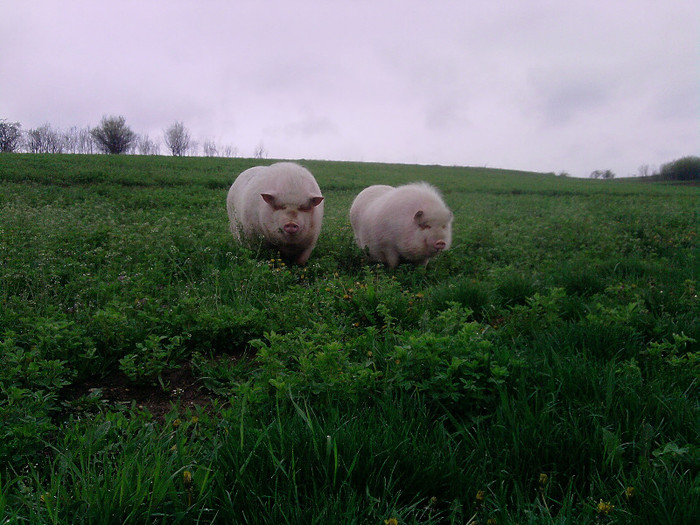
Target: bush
{"x": 113, "y": 135}
{"x": 686, "y": 168}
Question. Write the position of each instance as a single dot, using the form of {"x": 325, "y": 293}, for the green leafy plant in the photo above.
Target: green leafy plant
{"x": 150, "y": 358}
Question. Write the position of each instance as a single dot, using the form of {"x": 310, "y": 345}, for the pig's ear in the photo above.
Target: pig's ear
{"x": 315, "y": 201}
{"x": 268, "y": 198}
{"x": 418, "y": 216}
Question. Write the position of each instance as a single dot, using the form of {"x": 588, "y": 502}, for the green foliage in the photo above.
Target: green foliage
{"x": 558, "y": 336}
{"x": 113, "y": 135}
{"x": 686, "y": 168}
{"x": 29, "y": 386}
{"x": 150, "y": 358}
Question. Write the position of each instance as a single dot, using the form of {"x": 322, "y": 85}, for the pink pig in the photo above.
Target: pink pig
{"x": 279, "y": 204}
{"x": 407, "y": 223}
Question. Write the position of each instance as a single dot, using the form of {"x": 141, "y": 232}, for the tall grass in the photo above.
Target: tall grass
{"x": 544, "y": 370}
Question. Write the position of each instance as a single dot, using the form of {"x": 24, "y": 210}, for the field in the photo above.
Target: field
{"x": 544, "y": 370}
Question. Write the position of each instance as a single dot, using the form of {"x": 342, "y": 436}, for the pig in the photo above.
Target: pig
{"x": 409, "y": 223}
{"x": 280, "y": 205}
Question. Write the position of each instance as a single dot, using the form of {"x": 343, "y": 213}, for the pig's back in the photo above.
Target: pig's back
{"x": 366, "y": 199}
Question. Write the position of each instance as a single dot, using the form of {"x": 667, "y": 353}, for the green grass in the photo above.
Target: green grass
{"x": 559, "y": 336}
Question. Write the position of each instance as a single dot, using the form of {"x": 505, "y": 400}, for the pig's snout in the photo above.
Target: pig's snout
{"x": 291, "y": 227}
{"x": 440, "y": 245}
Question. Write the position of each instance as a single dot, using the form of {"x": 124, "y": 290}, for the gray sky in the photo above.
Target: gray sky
{"x": 540, "y": 85}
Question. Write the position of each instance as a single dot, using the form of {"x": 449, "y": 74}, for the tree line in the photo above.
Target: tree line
{"x": 683, "y": 169}
{"x": 111, "y": 136}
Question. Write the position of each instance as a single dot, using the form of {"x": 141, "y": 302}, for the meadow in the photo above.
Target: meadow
{"x": 543, "y": 370}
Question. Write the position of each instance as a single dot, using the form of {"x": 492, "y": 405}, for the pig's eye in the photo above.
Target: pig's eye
{"x": 424, "y": 226}
{"x": 278, "y": 208}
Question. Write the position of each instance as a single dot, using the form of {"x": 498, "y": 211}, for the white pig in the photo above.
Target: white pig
{"x": 408, "y": 223}
{"x": 279, "y": 204}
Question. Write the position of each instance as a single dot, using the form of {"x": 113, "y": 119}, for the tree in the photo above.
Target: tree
{"x": 44, "y": 139}
{"x": 71, "y": 140}
{"x": 602, "y": 174}
{"x": 10, "y": 136}
{"x": 146, "y": 146}
{"x": 113, "y": 135}
{"x": 86, "y": 142}
{"x": 260, "y": 152}
{"x": 78, "y": 140}
{"x": 177, "y": 138}
{"x": 686, "y": 168}
{"x": 210, "y": 149}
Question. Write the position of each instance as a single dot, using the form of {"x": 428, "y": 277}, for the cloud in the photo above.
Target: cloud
{"x": 558, "y": 100}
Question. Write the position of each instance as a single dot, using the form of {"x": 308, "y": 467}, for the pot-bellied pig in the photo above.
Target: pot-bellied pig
{"x": 408, "y": 223}
{"x": 280, "y": 205}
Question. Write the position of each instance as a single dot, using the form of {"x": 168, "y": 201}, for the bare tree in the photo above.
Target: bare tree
{"x": 193, "y": 148}
{"x": 177, "y": 138}
{"x": 71, "y": 139}
{"x": 113, "y": 135}
{"x": 146, "y": 146}
{"x": 210, "y": 149}
{"x": 86, "y": 142}
{"x": 44, "y": 139}
{"x": 10, "y": 136}
{"x": 260, "y": 152}
{"x": 644, "y": 170}
{"x": 229, "y": 151}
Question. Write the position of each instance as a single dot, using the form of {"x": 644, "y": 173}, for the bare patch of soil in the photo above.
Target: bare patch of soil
{"x": 181, "y": 387}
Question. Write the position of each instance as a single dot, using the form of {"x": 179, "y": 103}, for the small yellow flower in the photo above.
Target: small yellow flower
{"x": 177, "y": 423}
{"x": 604, "y": 507}
{"x": 391, "y": 521}
{"x": 370, "y": 353}
{"x": 187, "y": 479}
{"x": 543, "y": 479}
{"x": 433, "y": 500}
{"x": 480, "y": 495}
{"x": 195, "y": 419}
{"x": 629, "y": 493}
{"x": 45, "y": 497}
{"x": 491, "y": 521}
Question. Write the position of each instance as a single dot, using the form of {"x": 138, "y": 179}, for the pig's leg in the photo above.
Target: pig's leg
{"x": 391, "y": 258}
{"x": 235, "y": 231}
{"x": 304, "y": 256}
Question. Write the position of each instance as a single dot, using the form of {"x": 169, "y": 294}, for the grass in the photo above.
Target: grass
{"x": 543, "y": 370}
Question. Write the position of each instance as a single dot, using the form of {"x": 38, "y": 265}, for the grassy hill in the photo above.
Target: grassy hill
{"x": 543, "y": 370}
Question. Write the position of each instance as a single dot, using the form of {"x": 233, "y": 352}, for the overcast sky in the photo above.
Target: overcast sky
{"x": 574, "y": 85}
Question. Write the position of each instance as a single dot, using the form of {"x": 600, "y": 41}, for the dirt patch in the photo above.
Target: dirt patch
{"x": 181, "y": 387}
